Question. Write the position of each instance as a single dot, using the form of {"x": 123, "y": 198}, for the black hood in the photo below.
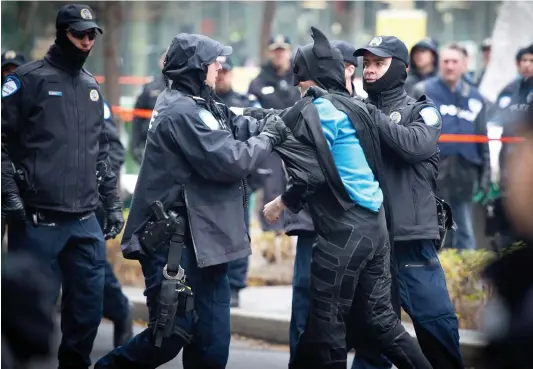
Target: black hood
{"x": 426, "y": 44}
{"x": 186, "y": 62}
{"x": 320, "y": 62}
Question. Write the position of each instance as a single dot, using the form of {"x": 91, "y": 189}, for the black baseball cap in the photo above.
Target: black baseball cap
{"x": 346, "y": 50}
{"x": 279, "y": 42}
{"x": 386, "y": 47}
{"x": 77, "y": 17}
{"x": 225, "y": 62}
{"x": 11, "y": 57}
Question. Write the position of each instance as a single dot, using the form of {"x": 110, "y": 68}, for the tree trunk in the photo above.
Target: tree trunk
{"x": 112, "y": 17}
{"x": 268, "y": 16}
{"x": 26, "y": 15}
{"x": 507, "y": 38}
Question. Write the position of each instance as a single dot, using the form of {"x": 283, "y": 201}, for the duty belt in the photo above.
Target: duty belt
{"x": 175, "y": 295}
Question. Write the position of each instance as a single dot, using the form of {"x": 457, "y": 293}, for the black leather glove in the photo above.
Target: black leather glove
{"x": 315, "y": 92}
{"x": 137, "y": 154}
{"x": 13, "y": 207}
{"x": 114, "y": 220}
{"x": 275, "y": 130}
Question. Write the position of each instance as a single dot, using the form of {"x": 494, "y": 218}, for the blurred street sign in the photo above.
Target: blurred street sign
{"x": 409, "y": 25}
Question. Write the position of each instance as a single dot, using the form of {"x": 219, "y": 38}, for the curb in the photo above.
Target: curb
{"x": 274, "y": 328}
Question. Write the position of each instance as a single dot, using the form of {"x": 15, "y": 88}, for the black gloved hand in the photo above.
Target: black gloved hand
{"x": 315, "y": 92}
{"x": 13, "y": 207}
{"x": 114, "y": 220}
{"x": 275, "y": 130}
{"x": 137, "y": 154}
{"x": 254, "y": 112}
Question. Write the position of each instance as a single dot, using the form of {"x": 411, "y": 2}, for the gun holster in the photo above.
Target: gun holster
{"x": 445, "y": 221}
{"x": 175, "y": 295}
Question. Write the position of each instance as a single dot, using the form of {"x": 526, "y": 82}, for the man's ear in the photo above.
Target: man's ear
{"x": 351, "y": 68}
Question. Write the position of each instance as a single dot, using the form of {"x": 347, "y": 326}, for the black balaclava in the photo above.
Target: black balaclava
{"x": 73, "y": 57}
{"x": 321, "y": 63}
{"x": 393, "y": 78}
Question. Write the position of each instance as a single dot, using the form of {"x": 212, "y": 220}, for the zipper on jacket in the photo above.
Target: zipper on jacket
{"x": 76, "y": 199}
{"x": 200, "y": 264}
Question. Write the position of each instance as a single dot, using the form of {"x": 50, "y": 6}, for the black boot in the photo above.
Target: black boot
{"x": 123, "y": 331}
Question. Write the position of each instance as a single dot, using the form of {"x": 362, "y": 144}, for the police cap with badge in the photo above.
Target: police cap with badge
{"x": 77, "y": 18}
{"x": 11, "y": 57}
{"x": 279, "y": 42}
{"x": 386, "y": 47}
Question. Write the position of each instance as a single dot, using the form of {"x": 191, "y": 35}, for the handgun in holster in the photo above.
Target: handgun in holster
{"x": 445, "y": 221}
{"x": 175, "y": 295}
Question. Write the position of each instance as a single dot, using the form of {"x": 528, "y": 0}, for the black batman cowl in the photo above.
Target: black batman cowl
{"x": 320, "y": 62}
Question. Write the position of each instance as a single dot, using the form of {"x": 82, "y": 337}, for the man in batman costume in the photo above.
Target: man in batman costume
{"x": 334, "y": 163}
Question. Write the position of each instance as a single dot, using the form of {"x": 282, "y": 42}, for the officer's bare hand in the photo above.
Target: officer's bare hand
{"x": 275, "y": 130}
{"x": 273, "y": 210}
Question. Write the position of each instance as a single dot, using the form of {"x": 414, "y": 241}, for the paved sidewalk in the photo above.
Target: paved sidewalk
{"x": 264, "y": 313}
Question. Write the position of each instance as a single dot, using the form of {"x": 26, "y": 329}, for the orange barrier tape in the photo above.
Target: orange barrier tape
{"x": 127, "y": 80}
{"x": 127, "y": 115}
{"x": 475, "y": 138}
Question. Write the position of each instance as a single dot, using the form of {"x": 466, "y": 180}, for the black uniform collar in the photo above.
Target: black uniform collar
{"x": 387, "y": 97}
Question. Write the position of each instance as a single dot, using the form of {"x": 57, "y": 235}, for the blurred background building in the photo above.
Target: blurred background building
{"x": 146, "y": 27}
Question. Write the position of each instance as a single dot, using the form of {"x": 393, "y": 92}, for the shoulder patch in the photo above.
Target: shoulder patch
{"x": 504, "y": 101}
{"x": 10, "y": 86}
{"x": 431, "y": 116}
{"x": 208, "y": 119}
{"x": 107, "y": 111}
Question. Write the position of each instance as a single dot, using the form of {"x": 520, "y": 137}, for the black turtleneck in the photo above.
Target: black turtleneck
{"x": 65, "y": 55}
{"x": 390, "y": 87}
{"x": 387, "y": 98}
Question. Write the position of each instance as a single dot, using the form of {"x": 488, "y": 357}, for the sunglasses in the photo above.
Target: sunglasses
{"x": 80, "y": 35}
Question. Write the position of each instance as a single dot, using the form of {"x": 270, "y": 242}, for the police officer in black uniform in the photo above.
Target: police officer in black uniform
{"x": 145, "y": 101}
{"x": 274, "y": 89}
{"x": 515, "y": 99}
{"x": 409, "y": 131}
{"x": 11, "y": 60}
{"x": 55, "y": 167}
{"x": 116, "y": 304}
{"x": 238, "y": 269}
{"x": 197, "y": 155}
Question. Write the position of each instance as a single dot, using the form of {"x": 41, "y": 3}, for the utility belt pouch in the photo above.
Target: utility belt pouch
{"x": 445, "y": 221}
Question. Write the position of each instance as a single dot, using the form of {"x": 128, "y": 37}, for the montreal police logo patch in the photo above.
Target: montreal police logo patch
{"x": 376, "y": 41}
{"x": 430, "y": 116}
{"x": 11, "y": 85}
{"x": 94, "y": 95}
{"x": 209, "y": 120}
{"x": 504, "y": 101}
{"x": 395, "y": 116}
{"x": 86, "y": 14}
{"x": 529, "y": 97}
